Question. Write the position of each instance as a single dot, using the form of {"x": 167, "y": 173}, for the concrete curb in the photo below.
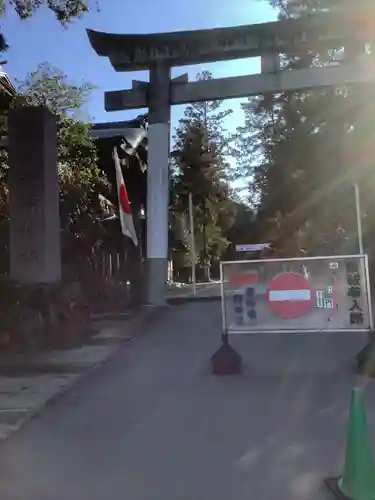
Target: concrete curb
{"x": 186, "y": 300}
{"x": 112, "y": 316}
{"x": 143, "y": 320}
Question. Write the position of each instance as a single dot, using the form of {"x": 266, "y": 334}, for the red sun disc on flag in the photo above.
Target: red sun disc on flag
{"x": 124, "y": 200}
{"x": 290, "y": 295}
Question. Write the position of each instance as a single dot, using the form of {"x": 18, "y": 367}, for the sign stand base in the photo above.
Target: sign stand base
{"x": 226, "y": 361}
{"x": 366, "y": 360}
{"x": 332, "y": 485}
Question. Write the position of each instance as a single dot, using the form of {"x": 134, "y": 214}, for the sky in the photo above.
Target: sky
{"x": 41, "y": 39}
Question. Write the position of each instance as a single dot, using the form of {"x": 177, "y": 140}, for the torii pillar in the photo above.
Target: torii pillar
{"x": 158, "y": 182}
{"x": 157, "y": 93}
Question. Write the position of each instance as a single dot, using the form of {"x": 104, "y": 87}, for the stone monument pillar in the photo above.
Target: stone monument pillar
{"x": 158, "y": 182}
{"x": 34, "y": 197}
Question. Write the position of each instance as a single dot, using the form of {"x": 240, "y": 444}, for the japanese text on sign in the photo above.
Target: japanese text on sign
{"x": 353, "y": 280}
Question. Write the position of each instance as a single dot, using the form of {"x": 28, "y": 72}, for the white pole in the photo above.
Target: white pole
{"x": 192, "y": 244}
{"x": 359, "y": 219}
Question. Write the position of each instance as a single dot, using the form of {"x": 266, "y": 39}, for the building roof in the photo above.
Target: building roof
{"x": 134, "y": 132}
{"x": 5, "y": 83}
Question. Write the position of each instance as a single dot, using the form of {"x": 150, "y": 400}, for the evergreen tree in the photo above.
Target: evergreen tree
{"x": 200, "y": 166}
{"x": 64, "y": 10}
{"x": 305, "y": 147}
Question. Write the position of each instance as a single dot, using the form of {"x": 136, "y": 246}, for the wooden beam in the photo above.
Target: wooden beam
{"x": 125, "y": 99}
{"x": 283, "y": 81}
{"x": 245, "y": 86}
{"x": 132, "y": 52}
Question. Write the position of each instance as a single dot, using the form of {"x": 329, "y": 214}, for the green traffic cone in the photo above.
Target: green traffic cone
{"x": 358, "y": 480}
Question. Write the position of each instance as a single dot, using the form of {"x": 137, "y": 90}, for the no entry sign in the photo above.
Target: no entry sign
{"x": 290, "y": 295}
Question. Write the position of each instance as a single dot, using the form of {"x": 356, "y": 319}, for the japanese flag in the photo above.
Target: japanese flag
{"x": 126, "y": 218}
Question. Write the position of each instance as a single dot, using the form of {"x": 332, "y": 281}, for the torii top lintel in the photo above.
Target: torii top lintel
{"x": 141, "y": 51}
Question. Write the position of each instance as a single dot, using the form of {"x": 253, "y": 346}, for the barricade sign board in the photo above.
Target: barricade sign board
{"x": 296, "y": 295}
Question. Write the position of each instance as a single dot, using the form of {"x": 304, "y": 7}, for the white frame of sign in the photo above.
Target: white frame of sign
{"x": 364, "y": 271}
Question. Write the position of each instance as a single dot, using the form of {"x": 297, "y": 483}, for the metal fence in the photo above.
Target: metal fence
{"x": 113, "y": 266}
{"x": 311, "y": 294}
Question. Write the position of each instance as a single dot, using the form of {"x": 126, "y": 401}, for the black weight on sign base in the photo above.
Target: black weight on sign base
{"x": 226, "y": 361}
{"x": 366, "y": 360}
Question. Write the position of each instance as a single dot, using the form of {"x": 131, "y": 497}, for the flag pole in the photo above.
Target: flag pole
{"x": 192, "y": 244}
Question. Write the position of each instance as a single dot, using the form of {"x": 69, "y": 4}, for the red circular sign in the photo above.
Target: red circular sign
{"x": 290, "y": 295}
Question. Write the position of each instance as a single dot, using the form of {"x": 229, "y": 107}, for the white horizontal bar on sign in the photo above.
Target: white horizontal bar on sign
{"x": 289, "y": 295}
{"x": 251, "y": 247}
{"x": 293, "y": 259}
{"x": 259, "y": 331}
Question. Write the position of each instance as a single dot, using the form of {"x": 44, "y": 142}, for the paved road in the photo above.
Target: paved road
{"x": 154, "y": 424}
{"x": 209, "y": 289}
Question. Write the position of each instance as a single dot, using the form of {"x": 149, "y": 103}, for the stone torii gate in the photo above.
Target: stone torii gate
{"x": 159, "y": 52}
